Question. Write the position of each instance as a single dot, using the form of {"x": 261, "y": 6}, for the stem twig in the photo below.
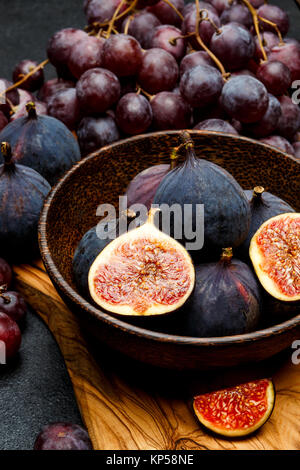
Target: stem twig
{"x": 17, "y": 84}
{"x": 256, "y": 26}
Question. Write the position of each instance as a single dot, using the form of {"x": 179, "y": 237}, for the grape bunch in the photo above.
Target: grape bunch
{"x": 147, "y": 65}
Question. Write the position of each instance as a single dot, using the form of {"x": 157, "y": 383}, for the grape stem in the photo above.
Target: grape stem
{"x": 118, "y": 17}
{"x": 219, "y": 64}
{"x": 281, "y": 41}
{"x": 168, "y": 2}
{"x": 140, "y": 90}
{"x": 32, "y": 72}
{"x": 256, "y": 26}
{"x": 129, "y": 19}
{"x": 112, "y": 21}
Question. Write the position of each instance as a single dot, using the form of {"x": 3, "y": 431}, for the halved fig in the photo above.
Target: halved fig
{"x": 143, "y": 272}
{"x": 237, "y": 411}
{"x": 275, "y": 254}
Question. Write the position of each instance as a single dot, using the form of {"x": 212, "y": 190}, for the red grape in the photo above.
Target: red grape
{"x": 170, "y": 111}
{"x": 288, "y": 54}
{"x": 238, "y": 13}
{"x": 63, "y": 436}
{"x": 257, "y": 3}
{"x": 161, "y": 38}
{"x": 13, "y": 304}
{"x": 296, "y": 146}
{"x": 206, "y": 29}
{"x": 133, "y": 114}
{"x": 10, "y": 335}
{"x": 35, "y": 81}
{"x": 100, "y": 11}
{"x": 97, "y": 90}
{"x": 94, "y": 133}
{"x": 159, "y": 71}
{"x": 166, "y": 14}
{"x": 3, "y": 121}
{"x": 275, "y": 76}
{"x": 280, "y": 143}
{"x": 216, "y": 125}
{"x": 269, "y": 39}
{"x": 85, "y": 55}
{"x": 122, "y": 55}
{"x": 277, "y": 16}
{"x": 141, "y": 27}
{"x": 201, "y": 86}
{"x": 237, "y": 73}
{"x": 245, "y": 98}
{"x": 195, "y": 58}
{"x": 5, "y": 273}
{"x": 268, "y": 124}
{"x": 289, "y": 122}
{"x": 53, "y": 86}
{"x": 202, "y": 6}
{"x": 234, "y": 46}
{"x": 219, "y": 5}
{"x": 60, "y": 46}
{"x": 64, "y": 106}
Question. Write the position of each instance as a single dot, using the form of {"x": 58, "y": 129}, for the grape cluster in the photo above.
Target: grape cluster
{"x": 146, "y": 65}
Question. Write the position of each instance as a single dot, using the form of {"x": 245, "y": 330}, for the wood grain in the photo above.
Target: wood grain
{"x": 127, "y": 406}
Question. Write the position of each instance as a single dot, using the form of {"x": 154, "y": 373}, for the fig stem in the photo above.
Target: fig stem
{"x": 256, "y": 26}
{"x": 174, "y": 8}
{"x": 226, "y": 255}
{"x": 219, "y": 64}
{"x": 7, "y": 154}
{"x": 32, "y": 72}
{"x": 31, "y": 109}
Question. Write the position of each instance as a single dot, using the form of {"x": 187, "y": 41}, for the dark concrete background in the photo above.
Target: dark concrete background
{"x": 36, "y": 389}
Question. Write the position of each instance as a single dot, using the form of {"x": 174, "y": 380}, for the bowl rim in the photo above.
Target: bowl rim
{"x": 115, "y": 321}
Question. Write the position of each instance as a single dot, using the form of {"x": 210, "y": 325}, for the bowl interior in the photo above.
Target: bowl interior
{"x": 103, "y": 176}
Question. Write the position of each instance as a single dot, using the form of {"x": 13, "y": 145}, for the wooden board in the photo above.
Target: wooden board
{"x": 127, "y": 406}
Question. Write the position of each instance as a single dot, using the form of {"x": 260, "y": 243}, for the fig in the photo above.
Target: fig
{"x": 226, "y": 300}
{"x": 142, "y": 273}
{"x": 264, "y": 206}
{"x": 43, "y": 143}
{"x": 22, "y": 194}
{"x": 63, "y": 436}
{"x": 200, "y": 182}
{"x": 91, "y": 244}
{"x": 237, "y": 411}
{"x": 275, "y": 255}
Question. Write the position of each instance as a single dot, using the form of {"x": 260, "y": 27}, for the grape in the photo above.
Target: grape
{"x": 202, "y": 6}
{"x": 269, "y": 39}
{"x": 13, "y": 305}
{"x": 245, "y": 98}
{"x": 275, "y": 76}
{"x": 289, "y": 122}
{"x": 11, "y": 98}
{"x": 216, "y": 125}
{"x": 100, "y": 11}
{"x": 288, "y": 54}
{"x": 268, "y": 124}
{"x": 3, "y": 121}
{"x": 195, "y": 58}
{"x": 97, "y": 90}
{"x": 21, "y": 111}
{"x": 59, "y": 49}
{"x": 122, "y": 55}
{"x": 206, "y": 29}
{"x": 53, "y": 86}
{"x": 159, "y": 71}
{"x": 133, "y": 114}
{"x": 170, "y": 111}
{"x": 237, "y": 73}
{"x": 238, "y": 13}
{"x": 296, "y": 146}
{"x": 219, "y": 5}
{"x": 257, "y": 3}
{"x": 94, "y": 133}
{"x": 146, "y": 3}
{"x": 85, "y": 55}
{"x": 5, "y": 273}
{"x": 64, "y": 106}
{"x": 234, "y": 46}
{"x": 166, "y": 14}
{"x": 201, "y": 86}
{"x": 10, "y": 335}
{"x": 161, "y": 38}
{"x": 141, "y": 27}
{"x": 280, "y": 143}
{"x": 277, "y": 16}
{"x": 32, "y": 83}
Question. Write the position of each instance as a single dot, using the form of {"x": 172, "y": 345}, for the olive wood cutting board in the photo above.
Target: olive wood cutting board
{"x": 130, "y": 406}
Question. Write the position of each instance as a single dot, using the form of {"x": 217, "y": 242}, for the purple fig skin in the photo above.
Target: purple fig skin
{"x": 143, "y": 187}
{"x": 63, "y": 436}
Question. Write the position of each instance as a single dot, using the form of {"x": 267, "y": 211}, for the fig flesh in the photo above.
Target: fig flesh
{"x": 275, "y": 255}
{"x": 236, "y": 411}
{"x": 226, "y": 300}
{"x": 142, "y": 273}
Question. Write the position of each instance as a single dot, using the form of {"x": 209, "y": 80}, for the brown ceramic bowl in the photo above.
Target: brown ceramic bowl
{"x": 101, "y": 177}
